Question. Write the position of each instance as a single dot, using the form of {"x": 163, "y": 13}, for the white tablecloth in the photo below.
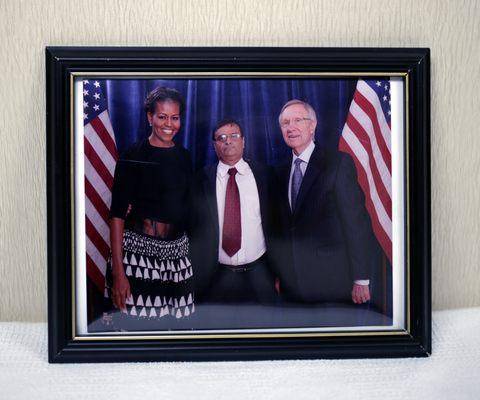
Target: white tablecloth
{"x": 452, "y": 372}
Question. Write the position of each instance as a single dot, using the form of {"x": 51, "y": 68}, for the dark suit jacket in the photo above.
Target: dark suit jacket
{"x": 204, "y": 230}
{"x": 327, "y": 241}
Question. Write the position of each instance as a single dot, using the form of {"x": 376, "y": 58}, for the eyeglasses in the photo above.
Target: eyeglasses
{"x": 224, "y": 137}
{"x": 294, "y": 122}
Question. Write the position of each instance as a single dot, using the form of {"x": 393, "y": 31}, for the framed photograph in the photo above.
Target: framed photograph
{"x": 238, "y": 203}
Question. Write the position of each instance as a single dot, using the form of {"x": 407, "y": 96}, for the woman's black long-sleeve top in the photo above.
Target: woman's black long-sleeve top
{"x": 154, "y": 181}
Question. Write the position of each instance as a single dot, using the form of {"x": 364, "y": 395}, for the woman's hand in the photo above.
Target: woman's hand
{"x": 120, "y": 290}
{"x": 121, "y": 287}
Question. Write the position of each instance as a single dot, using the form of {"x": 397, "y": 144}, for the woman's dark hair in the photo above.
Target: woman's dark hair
{"x": 161, "y": 94}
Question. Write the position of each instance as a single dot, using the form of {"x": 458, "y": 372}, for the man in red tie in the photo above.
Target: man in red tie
{"x": 231, "y": 224}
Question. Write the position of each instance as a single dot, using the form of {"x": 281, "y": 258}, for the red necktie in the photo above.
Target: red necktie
{"x": 232, "y": 225}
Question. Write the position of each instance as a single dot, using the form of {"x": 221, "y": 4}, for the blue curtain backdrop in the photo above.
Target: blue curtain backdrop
{"x": 255, "y": 103}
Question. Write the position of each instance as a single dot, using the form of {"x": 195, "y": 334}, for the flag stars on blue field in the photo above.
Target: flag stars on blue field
{"x": 94, "y": 100}
{"x": 386, "y": 95}
{"x": 382, "y": 88}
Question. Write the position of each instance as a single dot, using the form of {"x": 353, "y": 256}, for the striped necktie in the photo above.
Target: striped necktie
{"x": 296, "y": 182}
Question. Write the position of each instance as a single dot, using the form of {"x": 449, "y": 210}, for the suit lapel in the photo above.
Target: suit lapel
{"x": 262, "y": 186}
{"x": 209, "y": 186}
{"x": 284, "y": 176}
{"x": 315, "y": 170}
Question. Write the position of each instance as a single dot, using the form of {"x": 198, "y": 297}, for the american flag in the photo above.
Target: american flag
{"x": 366, "y": 136}
{"x": 100, "y": 160}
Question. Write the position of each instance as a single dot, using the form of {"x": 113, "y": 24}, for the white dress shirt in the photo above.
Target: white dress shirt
{"x": 253, "y": 240}
{"x": 305, "y": 157}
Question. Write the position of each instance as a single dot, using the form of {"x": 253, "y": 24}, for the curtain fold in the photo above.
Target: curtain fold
{"x": 255, "y": 103}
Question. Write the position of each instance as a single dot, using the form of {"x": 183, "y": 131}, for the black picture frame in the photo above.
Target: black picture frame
{"x": 61, "y": 62}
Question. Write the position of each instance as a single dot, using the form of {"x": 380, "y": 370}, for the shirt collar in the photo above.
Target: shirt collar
{"x": 305, "y": 154}
{"x": 241, "y": 166}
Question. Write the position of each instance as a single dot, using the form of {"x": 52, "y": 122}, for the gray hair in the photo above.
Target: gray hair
{"x": 311, "y": 112}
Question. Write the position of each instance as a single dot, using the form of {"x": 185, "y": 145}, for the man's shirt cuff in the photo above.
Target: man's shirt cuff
{"x": 362, "y": 282}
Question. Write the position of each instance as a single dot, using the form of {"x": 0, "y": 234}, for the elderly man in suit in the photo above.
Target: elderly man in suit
{"x": 327, "y": 231}
{"x": 230, "y": 224}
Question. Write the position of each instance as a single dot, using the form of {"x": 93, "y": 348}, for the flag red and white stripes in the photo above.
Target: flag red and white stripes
{"x": 366, "y": 136}
{"x": 100, "y": 155}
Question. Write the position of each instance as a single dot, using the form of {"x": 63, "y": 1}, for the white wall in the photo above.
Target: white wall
{"x": 449, "y": 28}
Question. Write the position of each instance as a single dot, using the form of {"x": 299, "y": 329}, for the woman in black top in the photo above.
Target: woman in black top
{"x": 150, "y": 275}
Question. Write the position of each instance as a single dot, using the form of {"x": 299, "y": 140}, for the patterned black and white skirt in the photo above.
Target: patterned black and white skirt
{"x": 160, "y": 277}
